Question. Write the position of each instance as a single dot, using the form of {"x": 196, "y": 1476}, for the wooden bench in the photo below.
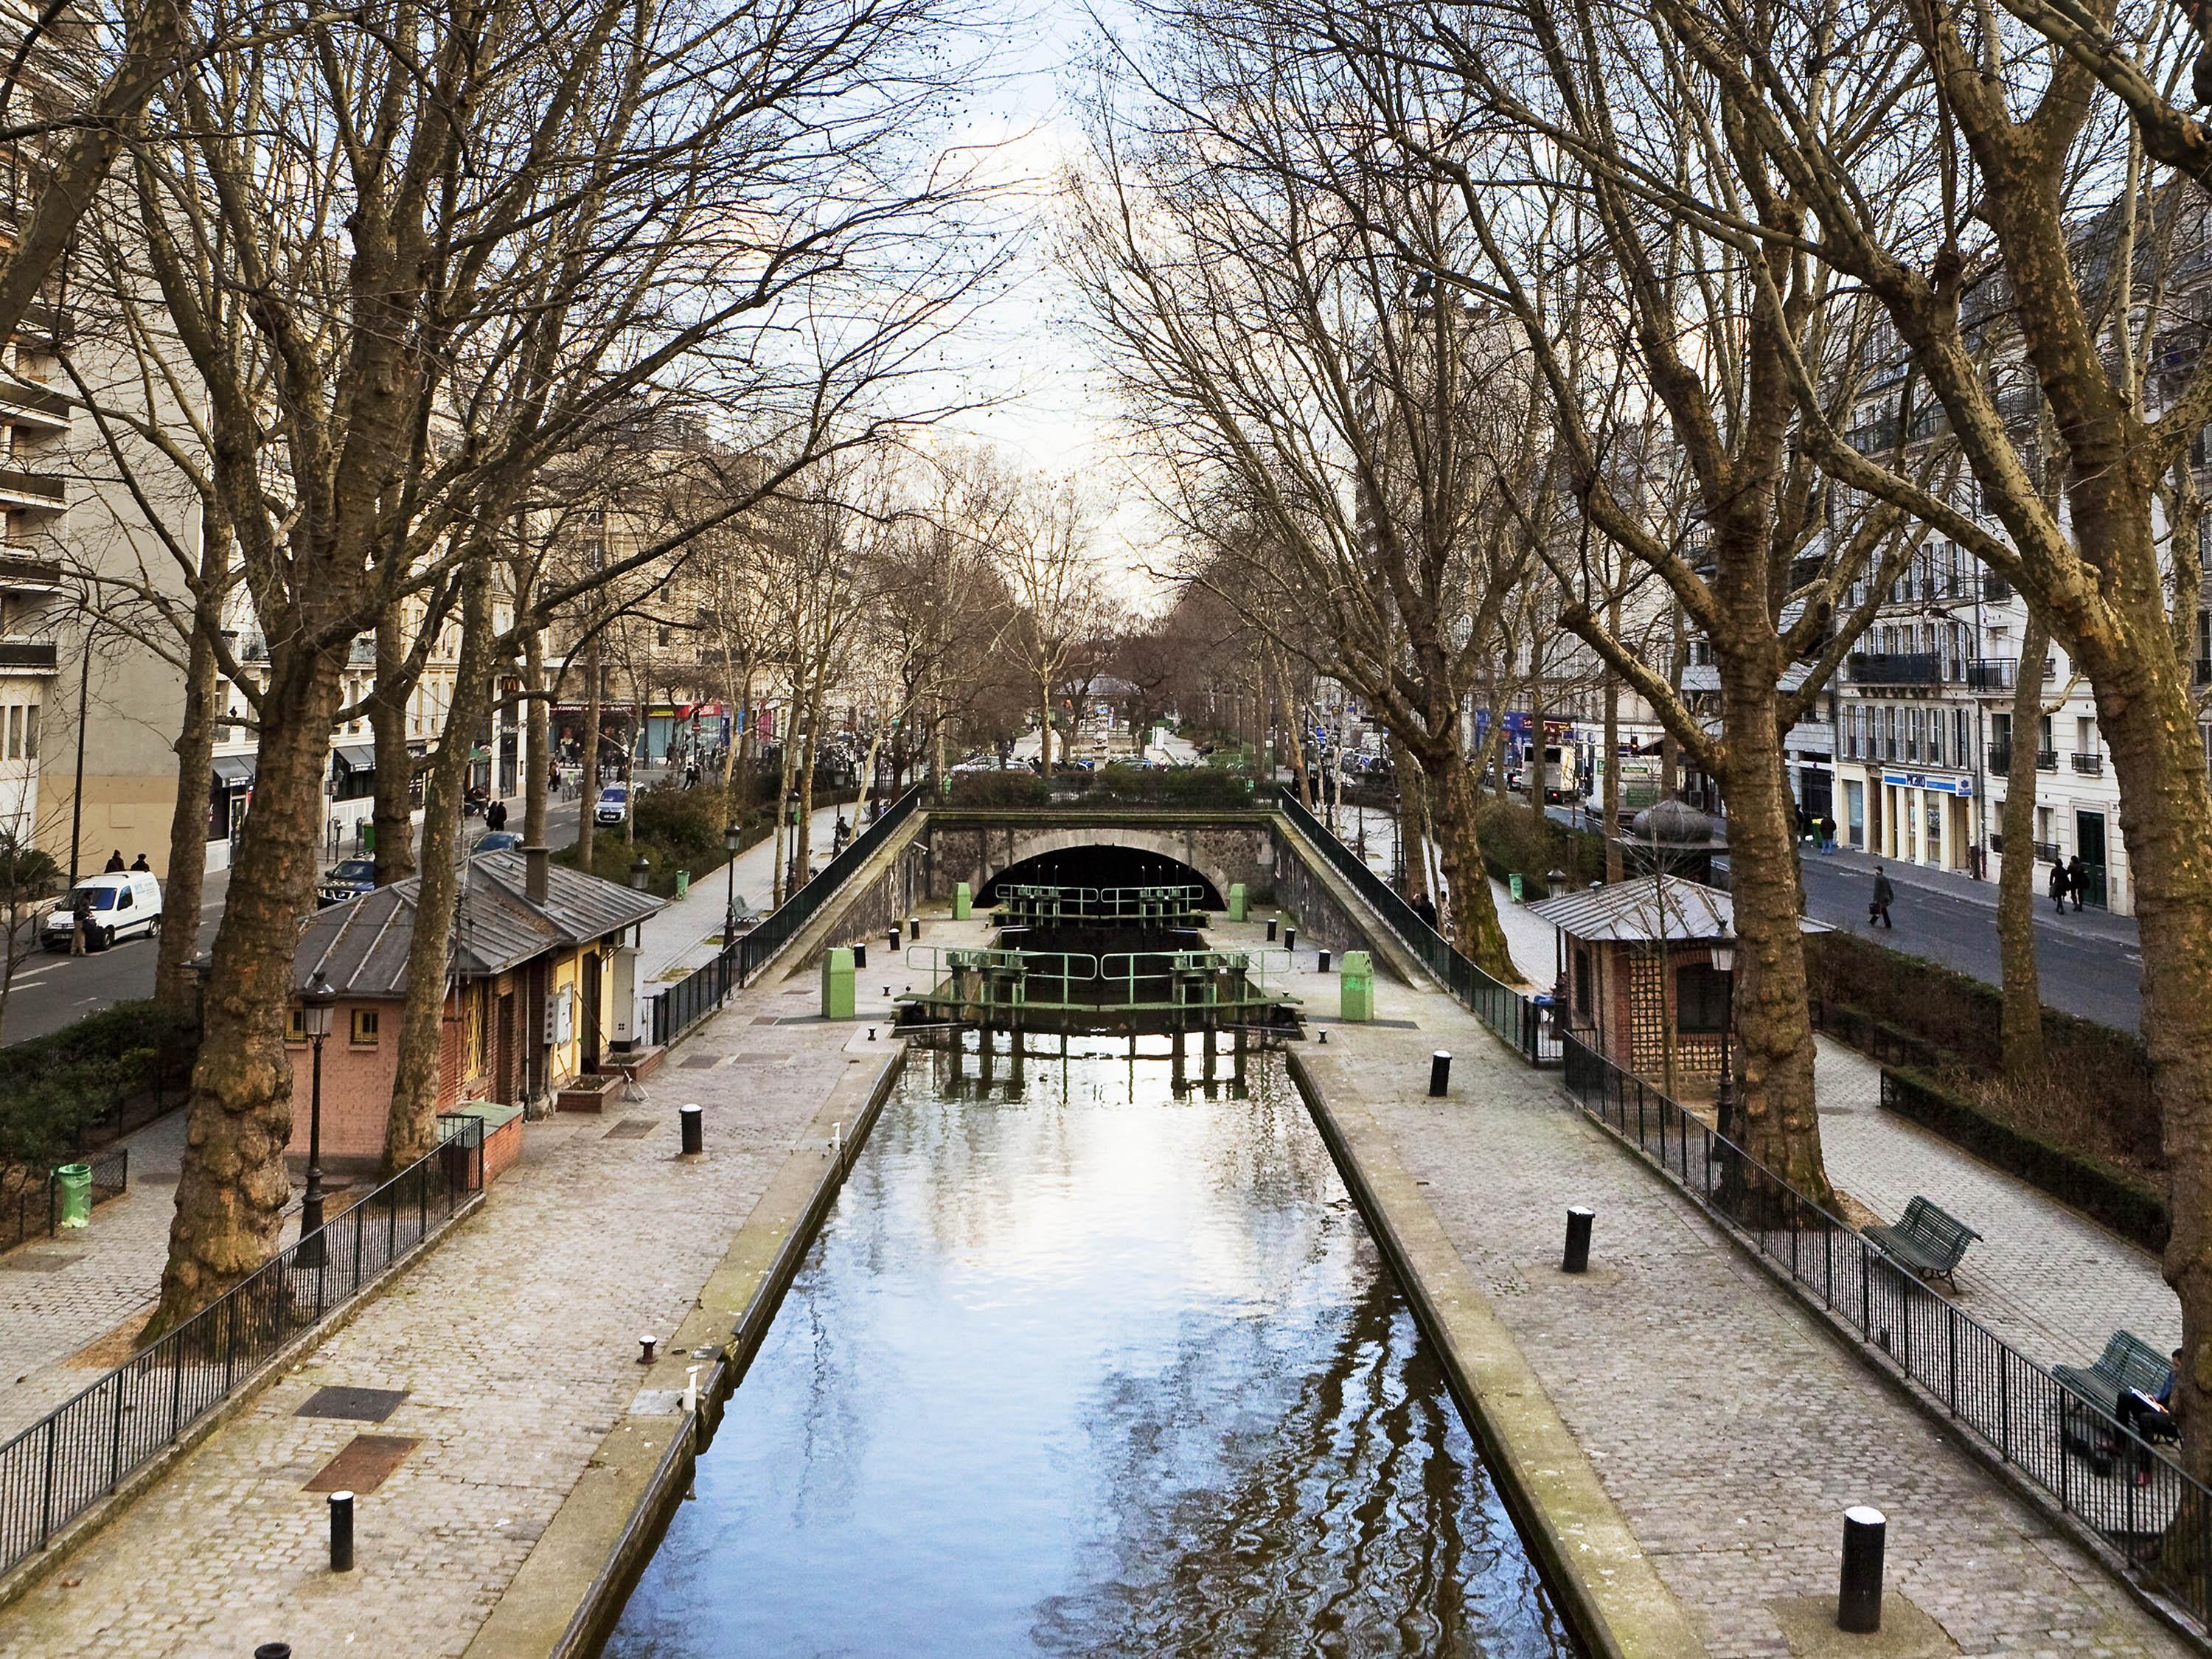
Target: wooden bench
{"x": 1929, "y": 1241}
{"x": 2128, "y": 1362}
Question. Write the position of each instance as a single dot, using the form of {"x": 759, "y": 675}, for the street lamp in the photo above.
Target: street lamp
{"x": 730, "y": 837}
{"x": 318, "y": 1008}
{"x": 1722, "y": 952}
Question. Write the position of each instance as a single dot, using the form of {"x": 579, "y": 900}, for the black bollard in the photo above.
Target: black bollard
{"x": 859, "y": 953}
{"x": 1290, "y": 938}
{"x": 695, "y": 1129}
{"x": 645, "y": 1344}
{"x": 891, "y": 934}
{"x": 341, "y": 1532}
{"x": 914, "y": 926}
{"x": 1270, "y": 930}
{"x": 1439, "y": 1073}
{"x": 1324, "y": 962}
{"x": 1577, "y": 1259}
{"x": 273, "y": 1651}
{"x": 1858, "y": 1607}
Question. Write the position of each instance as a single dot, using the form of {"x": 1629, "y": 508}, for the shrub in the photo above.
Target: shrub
{"x": 1513, "y": 839}
{"x": 53, "y": 1087}
{"x": 1000, "y": 789}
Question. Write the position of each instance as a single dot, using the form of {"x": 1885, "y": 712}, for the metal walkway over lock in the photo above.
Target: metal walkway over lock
{"x": 1170, "y": 990}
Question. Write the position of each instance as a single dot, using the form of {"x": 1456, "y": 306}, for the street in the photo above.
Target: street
{"x": 52, "y": 989}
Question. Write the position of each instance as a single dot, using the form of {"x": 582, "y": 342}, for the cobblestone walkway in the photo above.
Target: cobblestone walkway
{"x": 515, "y": 1342}
{"x": 1729, "y": 1428}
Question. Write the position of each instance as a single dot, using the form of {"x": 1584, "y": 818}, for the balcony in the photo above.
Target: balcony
{"x": 37, "y": 656}
{"x": 31, "y": 492}
{"x": 34, "y": 408}
{"x": 21, "y": 573}
{"x": 1995, "y": 590}
{"x": 1896, "y": 668}
{"x": 1992, "y": 673}
{"x": 2047, "y": 760}
{"x": 2092, "y": 765}
{"x": 2000, "y": 761}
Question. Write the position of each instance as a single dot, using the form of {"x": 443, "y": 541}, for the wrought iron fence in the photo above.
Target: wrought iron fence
{"x": 1523, "y": 1021}
{"x": 34, "y": 1209}
{"x": 691, "y": 999}
{"x": 2098, "y": 1470}
{"x": 84, "y": 1449}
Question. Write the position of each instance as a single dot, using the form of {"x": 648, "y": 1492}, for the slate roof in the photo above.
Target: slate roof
{"x": 361, "y": 945}
{"x": 1647, "y": 910}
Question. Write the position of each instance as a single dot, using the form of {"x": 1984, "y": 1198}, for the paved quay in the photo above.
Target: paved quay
{"x": 515, "y": 1343}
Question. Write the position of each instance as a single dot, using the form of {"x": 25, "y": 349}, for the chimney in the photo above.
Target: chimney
{"x": 536, "y": 866}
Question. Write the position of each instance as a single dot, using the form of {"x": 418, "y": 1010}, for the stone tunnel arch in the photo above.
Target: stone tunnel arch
{"x": 1217, "y": 856}
{"x": 1105, "y": 863}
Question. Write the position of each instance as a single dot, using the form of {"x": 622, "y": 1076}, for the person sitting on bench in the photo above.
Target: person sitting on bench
{"x": 2150, "y": 1418}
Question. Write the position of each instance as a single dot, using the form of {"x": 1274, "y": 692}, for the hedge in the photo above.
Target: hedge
{"x": 1515, "y": 840}
{"x": 2127, "y": 1207}
{"x": 52, "y": 1088}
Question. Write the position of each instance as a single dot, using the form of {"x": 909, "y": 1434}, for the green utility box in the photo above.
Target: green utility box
{"x": 837, "y": 983}
{"x": 1513, "y": 883}
{"x": 1357, "y": 987}
{"x": 1236, "y": 901}
{"x": 963, "y": 901}
{"x": 682, "y": 882}
{"x": 73, "y": 1184}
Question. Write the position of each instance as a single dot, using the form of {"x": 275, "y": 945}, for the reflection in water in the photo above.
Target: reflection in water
{"x": 1081, "y": 1367}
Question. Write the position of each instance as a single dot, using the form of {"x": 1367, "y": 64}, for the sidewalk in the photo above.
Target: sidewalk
{"x": 687, "y": 932}
{"x": 1983, "y": 893}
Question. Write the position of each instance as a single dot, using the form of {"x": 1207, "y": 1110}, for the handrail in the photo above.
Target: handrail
{"x": 83, "y": 1450}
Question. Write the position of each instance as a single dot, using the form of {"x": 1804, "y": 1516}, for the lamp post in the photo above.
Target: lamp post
{"x": 730, "y": 837}
{"x": 1724, "y": 958}
{"x": 317, "y": 1008}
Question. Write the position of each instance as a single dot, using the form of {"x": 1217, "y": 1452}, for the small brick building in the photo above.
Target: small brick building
{"x": 541, "y": 967}
{"x": 1637, "y": 977}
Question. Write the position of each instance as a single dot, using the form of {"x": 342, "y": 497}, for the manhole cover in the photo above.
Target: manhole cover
{"x": 764, "y": 1019}
{"x": 366, "y": 1463}
{"x": 354, "y": 1405}
{"x": 630, "y": 1128}
{"x": 39, "y": 1262}
{"x": 701, "y": 1062}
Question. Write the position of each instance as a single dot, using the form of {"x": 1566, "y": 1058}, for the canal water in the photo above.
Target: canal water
{"x": 1081, "y": 1365}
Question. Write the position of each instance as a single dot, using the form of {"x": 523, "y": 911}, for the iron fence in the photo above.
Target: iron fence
{"x": 1525, "y": 1022}
{"x": 2097, "y": 1470}
{"x": 34, "y": 1209}
{"x": 691, "y": 999}
{"x": 81, "y": 1451}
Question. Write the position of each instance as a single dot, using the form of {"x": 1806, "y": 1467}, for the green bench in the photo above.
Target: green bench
{"x": 2128, "y": 1362}
{"x": 1929, "y": 1241}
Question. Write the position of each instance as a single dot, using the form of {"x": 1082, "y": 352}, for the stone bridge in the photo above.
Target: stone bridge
{"x": 1071, "y": 847}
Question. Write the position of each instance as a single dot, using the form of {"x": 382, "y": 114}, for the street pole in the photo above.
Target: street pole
{"x": 317, "y": 1003}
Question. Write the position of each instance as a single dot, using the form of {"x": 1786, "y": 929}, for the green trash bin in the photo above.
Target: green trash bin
{"x": 837, "y": 983}
{"x": 963, "y": 901}
{"x": 73, "y": 1182}
{"x": 1236, "y": 901}
{"x": 1356, "y": 987}
{"x": 1513, "y": 883}
{"x": 682, "y": 882}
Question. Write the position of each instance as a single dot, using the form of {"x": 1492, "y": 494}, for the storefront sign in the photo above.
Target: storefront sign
{"x": 1933, "y": 785}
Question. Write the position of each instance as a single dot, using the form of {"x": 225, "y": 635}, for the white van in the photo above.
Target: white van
{"x": 120, "y": 905}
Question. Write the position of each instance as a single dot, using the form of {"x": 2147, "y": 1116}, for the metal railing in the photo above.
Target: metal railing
{"x": 2132, "y": 1496}
{"x": 1520, "y": 1020}
{"x": 691, "y": 999}
{"x": 84, "y": 1449}
{"x": 1895, "y": 667}
{"x": 2091, "y": 763}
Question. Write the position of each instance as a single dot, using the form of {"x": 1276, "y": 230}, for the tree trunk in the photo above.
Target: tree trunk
{"x": 1775, "y": 1120}
{"x": 804, "y": 854}
{"x": 2022, "y": 1021}
{"x": 588, "y": 803}
{"x": 173, "y": 986}
{"x": 393, "y": 807}
{"x": 785, "y": 771}
{"x": 1670, "y": 754}
{"x": 231, "y": 1190}
{"x": 411, "y": 1129}
{"x": 1614, "y": 869}
{"x": 538, "y": 786}
{"x": 1044, "y": 726}
{"x": 1539, "y": 739}
{"x": 1475, "y": 929}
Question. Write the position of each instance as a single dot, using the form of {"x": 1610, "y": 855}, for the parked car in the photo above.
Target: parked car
{"x": 347, "y": 879}
{"x": 613, "y": 805}
{"x": 498, "y": 841}
{"x": 119, "y": 905}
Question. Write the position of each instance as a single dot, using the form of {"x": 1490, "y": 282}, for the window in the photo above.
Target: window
{"x": 31, "y": 731}
{"x": 295, "y": 1026}
{"x": 15, "y": 727}
{"x": 364, "y": 1027}
{"x": 1701, "y": 999}
{"x": 2085, "y": 735}
{"x": 1584, "y": 991}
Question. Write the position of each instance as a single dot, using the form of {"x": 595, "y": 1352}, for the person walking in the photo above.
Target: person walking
{"x": 114, "y": 863}
{"x": 496, "y": 816}
{"x": 1884, "y": 896}
{"x": 2059, "y": 884}
{"x": 139, "y": 863}
{"x": 1827, "y": 832}
{"x": 2077, "y": 879}
{"x": 1426, "y": 908}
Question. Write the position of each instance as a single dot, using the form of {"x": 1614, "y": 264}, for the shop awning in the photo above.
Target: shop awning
{"x": 355, "y": 756}
{"x": 236, "y": 770}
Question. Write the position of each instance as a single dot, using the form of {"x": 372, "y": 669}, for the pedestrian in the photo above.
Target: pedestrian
{"x": 2059, "y": 884}
{"x": 80, "y": 922}
{"x": 1827, "y": 833}
{"x": 496, "y": 816}
{"x": 1884, "y": 896}
{"x": 2077, "y": 879}
{"x": 1426, "y": 908}
{"x": 139, "y": 863}
{"x": 114, "y": 862}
